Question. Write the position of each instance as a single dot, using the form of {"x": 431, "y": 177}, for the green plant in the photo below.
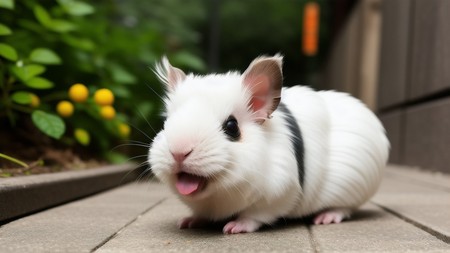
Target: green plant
{"x": 48, "y": 46}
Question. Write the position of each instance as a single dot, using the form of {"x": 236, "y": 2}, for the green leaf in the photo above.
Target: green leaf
{"x": 76, "y": 8}
{"x": 82, "y": 43}
{"x": 121, "y": 75}
{"x": 26, "y": 72}
{"x": 116, "y": 157}
{"x": 39, "y": 83}
{"x": 8, "y": 52}
{"x": 4, "y": 30}
{"x": 121, "y": 91}
{"x": 21, "y": 97}
{"x": 62, "y": 26}
{"x": 7, "y": 4}
{"x": 45, "y": 56}
{"x": 189, "y": 60}
{"x": 42, "y": 15}
{"x": 50, "y": 124}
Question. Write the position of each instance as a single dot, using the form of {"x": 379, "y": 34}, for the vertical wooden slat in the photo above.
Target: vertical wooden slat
{"x": 430, "y": 54}
{"x": 393, "y": 124}
{"x": 343, "y": 62}
{"x": 369, "y": 55}
{"x": 394, "y": 52}
{"x": 427, "y": 135}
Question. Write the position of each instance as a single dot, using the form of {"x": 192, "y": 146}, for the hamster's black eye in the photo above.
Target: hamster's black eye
{"x": 231, "y": 128}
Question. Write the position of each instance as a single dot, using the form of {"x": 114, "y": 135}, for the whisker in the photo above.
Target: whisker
{"x": 128, "y": 173}
{"x": 142, "y": 132}
{"x": 147, "y": 172}
{"x": 148, "y": 123}
{"x": 135, "y": 157}
{"x": 156, "y": 93}
{"x": 131, "y": 144}
{"x": 142, "y": 172}
{"x": 139, "y": 142}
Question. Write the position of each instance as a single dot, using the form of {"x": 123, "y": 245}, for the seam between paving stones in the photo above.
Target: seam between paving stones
{"x": 437, "y": 234}
{"x": 314, "y": 243}
{"x": 109, "y": 238}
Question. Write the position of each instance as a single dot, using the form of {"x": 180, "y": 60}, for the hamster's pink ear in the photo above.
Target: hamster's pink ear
{"x": 168, "y": 74}
{"x": 264, "y": 79}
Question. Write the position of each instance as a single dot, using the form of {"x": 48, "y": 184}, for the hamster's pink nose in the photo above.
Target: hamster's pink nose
{"x": 180, "y": 156}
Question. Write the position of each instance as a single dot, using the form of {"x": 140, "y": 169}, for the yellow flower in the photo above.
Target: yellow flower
{"x": 104, "y": 97}
{"x": 35, "y": 101}
{"x": 78, "y": 93}
{"x": 124, "y": 130}
{"x": 107, "y": 112}
{"x": 65, "y": 108}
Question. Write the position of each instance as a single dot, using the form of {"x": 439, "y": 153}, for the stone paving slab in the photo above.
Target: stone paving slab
{"x": 141, "y": 217}
{"x": 434, "y": 179}
{"x": 426, "y": 205}
{"x": 371, "y": 229}
{"x": 82, "y": 225}
{"x": 156, "y": 231}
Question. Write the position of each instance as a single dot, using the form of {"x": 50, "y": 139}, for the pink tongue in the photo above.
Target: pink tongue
{"x": 187, "y": 183}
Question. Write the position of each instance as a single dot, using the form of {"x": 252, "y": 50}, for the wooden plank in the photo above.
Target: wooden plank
{"x": 343, "y": 64}
{"x": 394, "y": 53}
{"x": 430, "y": 59}
{"x": 370, "y": 50}
{"x": 393, "y": 124}
{"x": 427, "y": 136}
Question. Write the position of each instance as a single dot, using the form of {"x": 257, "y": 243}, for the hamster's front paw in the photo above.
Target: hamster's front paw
{"x": 244, "y": 225}
{"x": 331, "y": 216}
{"x": 191, "y": 222}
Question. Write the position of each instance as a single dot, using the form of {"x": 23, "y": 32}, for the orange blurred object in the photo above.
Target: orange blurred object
{"x": 311, "y": 17}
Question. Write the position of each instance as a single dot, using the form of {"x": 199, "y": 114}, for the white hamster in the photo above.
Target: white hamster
{"x": 239, "y": 145}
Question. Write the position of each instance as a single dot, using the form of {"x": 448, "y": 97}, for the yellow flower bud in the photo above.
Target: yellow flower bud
{"x": 65, "y": 108}
{"x": 107, "y": 112}
{"x": 35, "y": 101}
{"x": 124, "y": 130}
{"x": 78, "y": 93}
{"x": 104, "y": 97}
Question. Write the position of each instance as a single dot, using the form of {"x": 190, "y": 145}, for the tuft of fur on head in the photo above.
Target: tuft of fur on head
{"x": 162, "y": 69}
{"x": 169, "y": 75}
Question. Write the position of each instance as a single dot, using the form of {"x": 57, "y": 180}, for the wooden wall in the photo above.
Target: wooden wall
{"x": 412, "y": 75}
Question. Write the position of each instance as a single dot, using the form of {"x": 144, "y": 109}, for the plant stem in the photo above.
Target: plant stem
{"x": 54, "y": 96}
{"x": 14, "y": 160}
{"x": 21, "y": 108}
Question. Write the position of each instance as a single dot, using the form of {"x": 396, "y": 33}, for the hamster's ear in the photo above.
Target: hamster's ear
{"x": 264, "y": 79}
{"x": 168, "y": 74}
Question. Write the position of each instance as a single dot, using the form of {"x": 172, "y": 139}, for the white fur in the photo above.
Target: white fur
{"x": 256, "y": 178}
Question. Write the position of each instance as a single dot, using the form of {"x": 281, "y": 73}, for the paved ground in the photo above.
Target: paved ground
{"x": 411, "y": 212}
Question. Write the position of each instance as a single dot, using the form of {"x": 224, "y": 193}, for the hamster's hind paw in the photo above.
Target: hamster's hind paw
{"x": 331, "y": 216}
{"x": 191, "y": 222}
{"x": 241, "y": 226}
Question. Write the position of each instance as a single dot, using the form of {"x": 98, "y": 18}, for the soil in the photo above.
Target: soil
{"x": 41, "y": 153}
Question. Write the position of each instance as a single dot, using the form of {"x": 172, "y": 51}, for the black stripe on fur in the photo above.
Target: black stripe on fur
{"x": 296, "y": 139}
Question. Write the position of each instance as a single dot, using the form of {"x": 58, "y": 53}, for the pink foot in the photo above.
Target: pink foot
{"x": 191, "y": 222}
{"x": 331, "y": 216}
{"x": 241, "y": 226}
